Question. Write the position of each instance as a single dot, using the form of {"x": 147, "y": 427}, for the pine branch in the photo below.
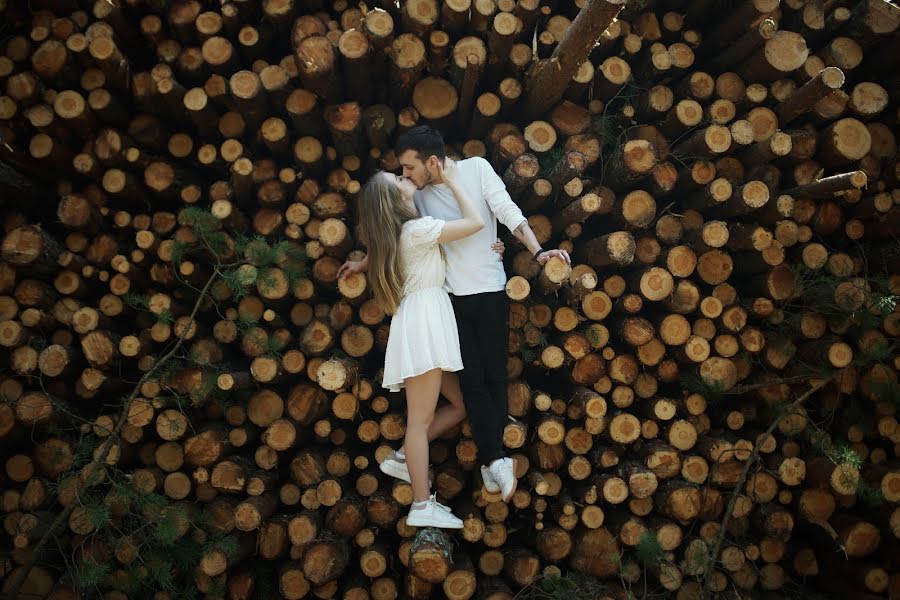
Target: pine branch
{"x": 18, "y": 579}
{"x": 748, "y": 464}
{"x": 743, "y": 389}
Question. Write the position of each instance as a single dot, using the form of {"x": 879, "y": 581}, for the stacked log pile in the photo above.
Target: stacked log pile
{"x": 704, "y": 402}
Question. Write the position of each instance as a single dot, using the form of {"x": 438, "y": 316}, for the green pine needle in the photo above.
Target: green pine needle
{"x": 294, "y": 272}
{"x": 225, "y": 543}
{"x": 869, "y": 495}
{"x": 593, "y": 336}
{"x": 693, "y": 383}
{"x": 135, "y": 300}
{"x": 289, "y": 252}
{"x": 844, "y": 454}
{"x": 543, "y": 342}
{"x": 245, "y": 324}
{"x": 166, "y": 530}
{"x": 648, "y": 549}
{"x": 178, "y": 250}
{"x": 37, "y": 342}
{"x": 84, "y": 450}
{"x": 549, "y": 159}
{"x": 160, "y": 570}
{"x": 99, "y": 515}
{"x": 199, "y": 219}
{"x": 166, "y": 317}
{"x": 87, "y": 574}
{"x": 563, "y": 587}
{"x": 259, "y": 253}
{"x": 274, "y": 346}
{"x": 266, "y": 280}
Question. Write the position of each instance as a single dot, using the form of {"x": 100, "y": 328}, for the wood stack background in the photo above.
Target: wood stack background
{"x": 724, "y": 172}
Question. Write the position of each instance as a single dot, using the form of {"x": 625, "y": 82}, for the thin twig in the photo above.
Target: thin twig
{"x": 743, "y": 389}
{"x": 17, "y": 580}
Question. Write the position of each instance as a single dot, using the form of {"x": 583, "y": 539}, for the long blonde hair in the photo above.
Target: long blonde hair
{"x": 381, "y": 217}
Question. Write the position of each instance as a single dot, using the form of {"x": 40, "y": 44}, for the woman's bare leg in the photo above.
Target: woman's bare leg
{"x": 421, "y": 399}
{"x": 449, "y": 415}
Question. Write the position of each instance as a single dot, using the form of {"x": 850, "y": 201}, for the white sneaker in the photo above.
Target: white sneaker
{"x": 503, "y": 471}
{"x": 395, "y": 468}
{"x": 489, "y": 484}
{"x": 434, "y": 514}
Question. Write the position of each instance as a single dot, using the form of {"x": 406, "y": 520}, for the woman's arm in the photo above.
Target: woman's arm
{"x": 355, "y": 266}
{"x": 471, "y": 220}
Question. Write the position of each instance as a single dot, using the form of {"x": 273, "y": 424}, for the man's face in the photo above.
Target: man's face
{"x": 415, "y": 169}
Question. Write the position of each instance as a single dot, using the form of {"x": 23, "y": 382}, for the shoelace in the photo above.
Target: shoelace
{"x": 434, "y": 499}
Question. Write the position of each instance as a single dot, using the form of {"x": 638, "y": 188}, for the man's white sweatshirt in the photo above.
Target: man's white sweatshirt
{"x": 472, "y": 267}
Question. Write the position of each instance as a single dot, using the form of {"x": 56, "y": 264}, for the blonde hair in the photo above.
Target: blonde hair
{"x": 381, "y": 217}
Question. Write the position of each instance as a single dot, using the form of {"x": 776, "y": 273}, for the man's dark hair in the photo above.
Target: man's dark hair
{"x": 425, "y": 140}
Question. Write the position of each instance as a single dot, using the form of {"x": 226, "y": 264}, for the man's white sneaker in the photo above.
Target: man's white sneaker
{"x": 433, "y": 514}
{"x": 489, "y": 484}
{"x": 395, "y": 468}
{"x": 503, "y": 471}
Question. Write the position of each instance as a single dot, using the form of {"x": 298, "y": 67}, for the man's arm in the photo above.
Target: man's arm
{"x": 525, "y": 235}
{"x": 508, "y": 213}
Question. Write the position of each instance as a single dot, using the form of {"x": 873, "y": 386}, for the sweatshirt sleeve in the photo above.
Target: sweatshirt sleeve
{"x": 498, "y": 199}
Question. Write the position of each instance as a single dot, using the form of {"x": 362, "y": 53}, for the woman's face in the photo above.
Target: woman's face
{"x": 406, "y": 187}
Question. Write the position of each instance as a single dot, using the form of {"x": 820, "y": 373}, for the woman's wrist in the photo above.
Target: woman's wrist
{"x": 538, "y": 252}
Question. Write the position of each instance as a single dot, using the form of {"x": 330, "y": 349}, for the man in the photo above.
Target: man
{"x": 476, "y": 283}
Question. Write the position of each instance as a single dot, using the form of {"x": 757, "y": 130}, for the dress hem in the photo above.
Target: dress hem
{"x": 397, "y": 386}
{"x": 474, "y": 291}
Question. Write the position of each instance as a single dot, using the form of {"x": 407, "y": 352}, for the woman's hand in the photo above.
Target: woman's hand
{"x": 499, "y": 248}
{"x": 448, "y": 171}
{"x": 349, "y": 268}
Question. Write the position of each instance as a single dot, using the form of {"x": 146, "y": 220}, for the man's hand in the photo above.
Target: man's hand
{"x": 546, "y": 255}
{"x": 350, "y": 267}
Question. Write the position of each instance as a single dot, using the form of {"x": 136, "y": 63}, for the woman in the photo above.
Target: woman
{"x": 406, "y": 272}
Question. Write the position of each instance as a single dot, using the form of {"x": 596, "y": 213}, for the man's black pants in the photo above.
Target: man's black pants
{"x": 483, "y": 324}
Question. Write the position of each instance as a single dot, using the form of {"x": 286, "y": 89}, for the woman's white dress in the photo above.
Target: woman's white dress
{"x": 423, "y": 333}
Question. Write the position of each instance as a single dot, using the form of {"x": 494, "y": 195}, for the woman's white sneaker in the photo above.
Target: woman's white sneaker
{"x": 433, "y": 514}
{"x": 395, "y": 467}
{"x": 503, "y": 471}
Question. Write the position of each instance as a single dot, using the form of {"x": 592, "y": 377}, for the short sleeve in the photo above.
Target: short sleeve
{"x": 425, "y": 231}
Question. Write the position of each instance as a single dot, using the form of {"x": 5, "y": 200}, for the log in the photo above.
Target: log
{"x": 235, "y": 145}
{"x": 785, "y": 52}
{"x": 615, "y": 248}
{"x": 829, "y": 187}
{"x": 546, "y": 83}
{"x": 844, "y": 141}
{"x": 315, "y": 62}
{"x": 745, "y": 44}
{"x": 628, "y": 166}
{"x": 430, "y": 555}
{"x": 814, "y": 90}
